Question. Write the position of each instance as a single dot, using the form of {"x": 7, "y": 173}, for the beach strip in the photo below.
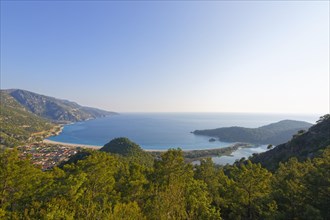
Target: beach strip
{"x": 46, "y": 141}
{"x": 233, "y": 146}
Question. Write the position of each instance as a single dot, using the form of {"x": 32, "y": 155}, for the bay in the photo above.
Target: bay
{"x": 161, "y": 131}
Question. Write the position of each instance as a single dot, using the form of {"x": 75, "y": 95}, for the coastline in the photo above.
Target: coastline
{"x": 189, "y": 155}
{"x": 46, "y": 141}
{"x": 195, "y": 155}
{"x": 61, "y": 127}
{"x": 95, "y": 147}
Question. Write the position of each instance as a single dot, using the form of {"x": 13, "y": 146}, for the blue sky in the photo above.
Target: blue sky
{"x": 223, "y": 56}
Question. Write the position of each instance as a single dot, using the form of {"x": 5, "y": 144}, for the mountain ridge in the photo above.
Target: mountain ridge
{"x": 54, "y": 109}
{"x": 28, "y": 117}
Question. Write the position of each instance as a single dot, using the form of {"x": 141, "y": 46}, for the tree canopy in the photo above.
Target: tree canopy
{"x": 102, "y": 185}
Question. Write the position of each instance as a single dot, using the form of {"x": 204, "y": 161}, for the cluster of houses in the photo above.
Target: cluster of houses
{"x": 47, "y": 155}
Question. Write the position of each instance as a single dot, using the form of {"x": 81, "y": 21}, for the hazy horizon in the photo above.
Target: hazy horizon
{"x": 192, "y": 112}
{"x": 214, "y": 57}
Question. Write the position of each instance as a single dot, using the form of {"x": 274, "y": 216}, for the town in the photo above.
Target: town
{"x": 46, "y": 156}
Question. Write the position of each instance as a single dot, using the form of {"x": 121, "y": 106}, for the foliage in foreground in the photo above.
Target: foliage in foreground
{"x": 105, "y": 186}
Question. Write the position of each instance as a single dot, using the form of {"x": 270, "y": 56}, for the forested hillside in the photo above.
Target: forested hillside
{"x": 275, "y": 133}
{"x": 128, "y": 149}
{"x": 26, "y": 116}
{"x": 303, "y": 145}
{"x": 122, "y": 182}
{"x": 18, "y": 125}
{"x": 106, "y": 186}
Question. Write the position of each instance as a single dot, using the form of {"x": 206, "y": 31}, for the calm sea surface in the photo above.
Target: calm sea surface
{"x": 165, "y": 130}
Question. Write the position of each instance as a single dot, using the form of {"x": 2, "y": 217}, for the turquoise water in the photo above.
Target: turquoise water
{"x": 165, "y": 130}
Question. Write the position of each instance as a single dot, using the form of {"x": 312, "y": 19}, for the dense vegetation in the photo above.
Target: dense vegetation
{"x": 276, "y": 133}
{"x": 129, "y": 150}
{"x": 19, "y": 125}
{"x": 303, "y": 145}
{"x": 55, "y": 109}
{"x": 123, "y": 182}
{"x": 105, "y": 186}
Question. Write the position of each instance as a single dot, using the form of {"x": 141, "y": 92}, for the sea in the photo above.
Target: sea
{"x": 161, "y": 131}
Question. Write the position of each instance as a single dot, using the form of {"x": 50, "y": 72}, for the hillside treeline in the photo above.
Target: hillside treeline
{"x": 107, "y": 186}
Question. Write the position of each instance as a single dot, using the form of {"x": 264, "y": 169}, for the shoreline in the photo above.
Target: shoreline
{"x": 95, "y": 147}
{"x": 46, "y": 141}
{"x": 189, "y": 155}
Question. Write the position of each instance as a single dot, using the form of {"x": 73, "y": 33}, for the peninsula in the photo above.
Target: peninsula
{"x": 275, "y": 133}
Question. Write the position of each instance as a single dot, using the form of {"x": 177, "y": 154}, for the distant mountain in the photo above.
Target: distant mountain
{"x": 19, "y": 125}
{"x": 275, "y": 133}
{"x": 26, "y": 116}
{"x": 128, "y": 149}
{"x": 54, "y": 109}
{"x": 303, "y": 145}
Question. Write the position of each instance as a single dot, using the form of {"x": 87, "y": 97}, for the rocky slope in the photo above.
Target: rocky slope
{"x": 54, "y": 109}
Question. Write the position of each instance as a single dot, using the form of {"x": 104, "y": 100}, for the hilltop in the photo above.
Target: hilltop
{"x": 56, "y": 110}
{"x": 128, "y": 149}
{"x": 275, "y": 133}
{"x": 303, "y": 145}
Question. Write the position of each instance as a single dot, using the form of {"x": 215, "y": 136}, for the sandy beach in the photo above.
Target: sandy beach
{"x": 71, "y": 145}
{"x": 46, "y": 141}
